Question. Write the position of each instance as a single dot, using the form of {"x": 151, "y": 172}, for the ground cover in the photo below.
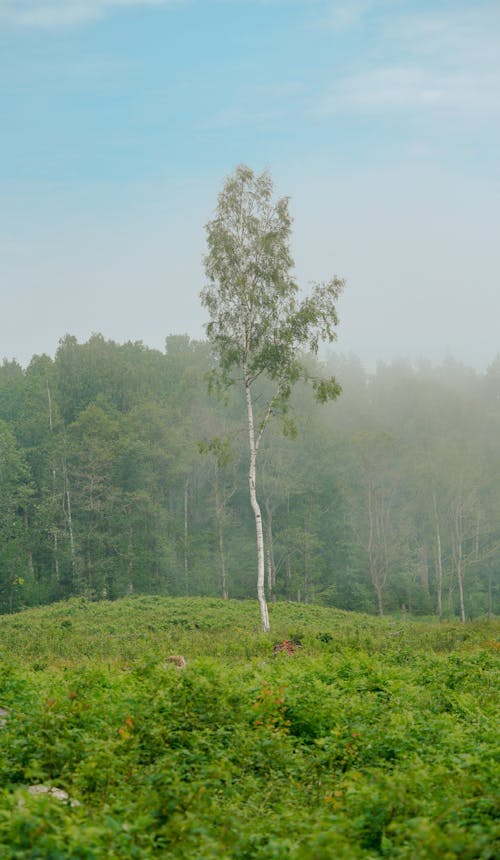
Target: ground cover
{"x": 376, "y": 738}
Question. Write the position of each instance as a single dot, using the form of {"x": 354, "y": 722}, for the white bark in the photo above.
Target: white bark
{"x": 460, "y": 578}
{"x": 49, "y": 398}
{"x": 439, "y": 560}
{"x": 256, "y": 510}
{"x": 459, "y": 556}
{"x": 186, "y": 535}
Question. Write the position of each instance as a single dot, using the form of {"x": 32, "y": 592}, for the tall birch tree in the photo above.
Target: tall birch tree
{"x": 260, "y": 329}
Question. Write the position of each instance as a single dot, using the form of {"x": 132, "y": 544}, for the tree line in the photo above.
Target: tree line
{"x": 120, "y": 473}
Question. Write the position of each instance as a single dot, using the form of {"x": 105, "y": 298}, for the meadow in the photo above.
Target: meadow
{"x": 374, "y": 738}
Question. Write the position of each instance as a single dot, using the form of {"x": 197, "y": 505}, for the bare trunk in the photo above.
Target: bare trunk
{"x": 257, "y": 513}
{"x": 54, "y": 477}
{"x": 219, "y": 514}
{"x": 288, "y": 563}
{"x": 459, "y": 560}
{"x": 306, "y": 568}
{"x": 223, "y": 574}
{"x": 186, "y": 536}
{"x": 56, "y": 556}
{"x": 372, "y": 552}
{"x": 439, "y": 577}
{"x": 69, "y": 520}
{"x": 380, "y": 603}
{"x": 49, "y": 398}
{"x": 307, "y": 554}
{"x": 271, "y": 566}
{"x": 460, "y": 580}
{"x": 90, "y": 535}
{"x": 130, "y": 560}
{"x": 288, "y": 569}
{"x": 490, "y": 590}
{"x": 439, "y": 561}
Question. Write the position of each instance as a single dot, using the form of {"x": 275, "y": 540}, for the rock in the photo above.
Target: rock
{"x": 177, "y": 660}
{"x": 52, "y": 791}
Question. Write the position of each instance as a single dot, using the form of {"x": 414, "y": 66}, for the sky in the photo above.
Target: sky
{"x": 120, "y": 120}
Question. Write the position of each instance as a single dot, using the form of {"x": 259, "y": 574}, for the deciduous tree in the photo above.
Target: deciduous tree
{"x": 258, "y": 325}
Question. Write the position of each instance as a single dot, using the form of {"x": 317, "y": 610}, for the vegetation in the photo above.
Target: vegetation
{"x": 387, "y": 497}
{"x": 376, "y": 738}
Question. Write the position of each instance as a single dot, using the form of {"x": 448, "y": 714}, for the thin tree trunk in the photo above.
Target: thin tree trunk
{"x": 306, "y": 567}
{"x": 288, "y": 572}
{"x": 288, "y": 564}
{"x": 49, "y": 398}
{"x": 451, "y": 588}
{"x": 459, "y": 562}
{"x": 69, "y": 520}
{"x": 261, "y": 596}
{"x": 439, "y": 561}
{"x": 222, "y": 557}
{"x": 56, "y": 556}
{"x": 186, "y": 535}
{"x": 380, "y": 604}
{"x": 54, "y": 478}
{"x": 219, "y": 513}
{"x": 130, "y": 557}
{"x": 490, "y": 590}
{"x": 90, "y": 534}
{"x": 307, "y": 554}
{"x": 460, "y": 579}
{"x": 372, "y": 554}
{"x": 271, "y": 566}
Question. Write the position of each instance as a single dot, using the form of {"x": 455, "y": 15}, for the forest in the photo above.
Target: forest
{"x": 122, "y": 473}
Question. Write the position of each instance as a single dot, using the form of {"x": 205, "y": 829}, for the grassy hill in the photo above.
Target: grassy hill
{"x": 376, "y": 738}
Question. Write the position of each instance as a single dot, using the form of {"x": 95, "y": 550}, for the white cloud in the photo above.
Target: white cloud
{"x": 344, "y": 14}
{"x": 411, "y": 89}
{"x": 49, "y": 14}
{"x": 442, "y": 60}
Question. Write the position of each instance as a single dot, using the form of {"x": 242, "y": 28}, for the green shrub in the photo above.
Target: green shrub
{"x": 360, "y": 745}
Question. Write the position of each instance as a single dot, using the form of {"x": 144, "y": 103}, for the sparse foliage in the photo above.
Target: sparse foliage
{"x": 259, "y": 327}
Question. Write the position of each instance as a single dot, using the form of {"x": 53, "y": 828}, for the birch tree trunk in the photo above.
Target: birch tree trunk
{"x": 380, "y": 602}
{"x": 439, "y": 561}
{"x": 460, "y": 578}
{"x": 69, "y": 520}
{"x": 219, "y": 517}
{"x": 54, "y": 484}
{"x": 372, "y": 548}
{"x": 261, "y": 596}
{"x": 458, "y": 557}
{"x": 186, "y": 535}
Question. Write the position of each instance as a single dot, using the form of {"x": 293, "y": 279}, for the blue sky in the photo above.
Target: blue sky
{"x": 121, "y": 118}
